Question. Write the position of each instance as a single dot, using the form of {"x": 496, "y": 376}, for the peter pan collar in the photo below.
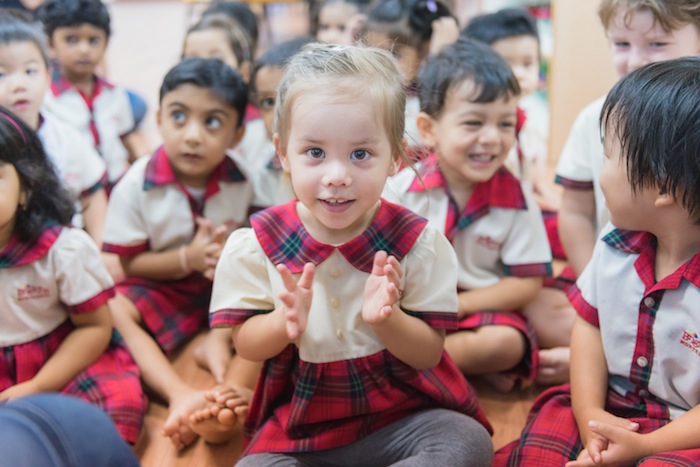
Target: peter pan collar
{"x": 17, "y": 253}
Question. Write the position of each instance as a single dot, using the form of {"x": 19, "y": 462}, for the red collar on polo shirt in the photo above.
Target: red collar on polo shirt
{"x": 644, "y": 244}
{"x": 60, "y": 84}
{"x": 17, "y": 253}
{"x": 284, "y": 239}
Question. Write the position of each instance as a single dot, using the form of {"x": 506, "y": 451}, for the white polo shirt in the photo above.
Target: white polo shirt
{"x": 150, "y": 209}
{"x": 101, "y": 119}
{"x": 42, "y": 284}
{"x": 247, "y": 283}
{"x": 256, "y": 158}
{"x": 499, "y": 233}
{"x": 650, "y": 330}
{"x": 581, "y": 159}
{"x": 77, "y": 163}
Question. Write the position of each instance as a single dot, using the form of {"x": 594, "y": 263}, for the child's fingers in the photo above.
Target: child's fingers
{"x": 307, "y": 276}
{"x": 287, "y": 278}
{"x": 395, "y": 265}
{"x": 379, "y": 263}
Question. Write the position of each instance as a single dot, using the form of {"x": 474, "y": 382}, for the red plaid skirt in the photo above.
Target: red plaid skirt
{"x": 172, "y": 311}
{"x": 526, "y": 370}
{"x": 111, "y": 383}
{"x": 551, "y": 437}
{"x": 300, "y": 406}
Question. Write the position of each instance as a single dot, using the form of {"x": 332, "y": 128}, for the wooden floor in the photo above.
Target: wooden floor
{"x": 506, "y": 412}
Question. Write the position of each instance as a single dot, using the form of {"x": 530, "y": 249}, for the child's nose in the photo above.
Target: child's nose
{"x": 17, "y": 81}
{"x": 489, "y": 134}
{"x": 192, "y": 133}
{"x": 636, "y": 60}
{"x": 336, "y": 174}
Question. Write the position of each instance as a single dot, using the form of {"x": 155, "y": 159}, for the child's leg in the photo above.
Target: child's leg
{"x": 157, "y": 372}
{"x": 215, "y": 352}
{"x": 487, "y": 349}
{"x": 426, "y": 438}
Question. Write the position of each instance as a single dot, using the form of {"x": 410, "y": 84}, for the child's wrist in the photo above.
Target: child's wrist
{"x": 184, "y": 260}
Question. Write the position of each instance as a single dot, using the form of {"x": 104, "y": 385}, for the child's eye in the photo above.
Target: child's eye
{"x": 315, "y": 153}
{"x": 472, "y": 123}
{"x": 621, "y": 44}
{"x": 71, "y": 40}
{"x": 659, "y": 44}
{"x": 507, "y": 125}
{"x": 32, "y": 71}
{"x": 178, "y": 116}
{"x": 213, "y": 123}
{"x": 359, "y": 155}
{"x": 95, "y": 40}
{"x": 267, "y": 103}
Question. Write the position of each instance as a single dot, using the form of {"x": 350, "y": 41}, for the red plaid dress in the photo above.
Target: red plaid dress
{"x": 111, "y": 383}
{"x": 303, "y": 406}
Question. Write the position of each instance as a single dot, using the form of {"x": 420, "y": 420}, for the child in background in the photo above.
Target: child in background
{"x": 468, "y": 97}
{"x": 263, "y": 168}
{"x": 634, "y": 396}
{"x": 167, "y": 220}
{"x": 412, "y": 30}
{"x": 78, "y": 32}
{"x": 512, "y": 33}
{"x": 241, "y": 14}
{"x": 337, "y": 21}
{"x": 23, "y": 85}
{"x": 344, "y": 296}
{"x": 55, "y": 327}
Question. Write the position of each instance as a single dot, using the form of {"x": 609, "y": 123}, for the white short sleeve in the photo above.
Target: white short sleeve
{"x": 125, "y": 224}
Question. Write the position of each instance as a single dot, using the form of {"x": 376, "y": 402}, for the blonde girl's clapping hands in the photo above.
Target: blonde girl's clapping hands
{"x": 382, "y": 288}
{"x": 297, "y": 299}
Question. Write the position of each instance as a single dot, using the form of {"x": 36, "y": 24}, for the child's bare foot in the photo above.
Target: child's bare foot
{"x": 554, "y": 366}
{"x": 177, "y": 426}
{"x": 217, "y": 422}
{"x": 501, "y": 382}
{"x": 214, "y": 354}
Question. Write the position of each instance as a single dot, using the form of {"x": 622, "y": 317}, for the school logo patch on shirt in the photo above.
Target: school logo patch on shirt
{"x": 488, "y": 242}
{"x": 30, "y": 292}
{"x": 691, "y": 340}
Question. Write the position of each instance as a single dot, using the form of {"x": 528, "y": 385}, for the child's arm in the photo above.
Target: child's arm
{"x": 94, "y": 214}
{"x": 264, "y": 336}
{"x": 577, "y": 224}
{"x": 82, "y": 347}
{"x": 177, "y": 262}
{"x": 510, "y": 293}
{"x": 408, "y": 338}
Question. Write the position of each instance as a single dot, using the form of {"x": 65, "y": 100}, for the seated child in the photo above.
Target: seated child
{"x": 468, "y": 97}
{"x": 337, "y": 21}
{"x": 343, "y": 296}
{"x": 24, "y": 67}
{"x": 263, "y": 168}
{"x": 78, "y": 32}
{"x": 167, "y": 220}
{"x": 633, "y": 398}
{"x": 55, "y": 328}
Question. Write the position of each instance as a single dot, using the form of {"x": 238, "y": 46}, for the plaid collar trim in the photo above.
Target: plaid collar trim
{"x": 60, "y": 84}
{"x": 284, "y": 239}
{"x": 644, "y": 244}
{"x": 503, "y": 190}
{"x": 159, "y": 172}
{"x": 16, "y": 253}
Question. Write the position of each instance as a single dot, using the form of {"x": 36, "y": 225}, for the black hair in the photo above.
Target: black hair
{"x": 47, "y": 201}
{"x": 407, "y": 22}
{"x": 239, "y": 12}
{"x": 465, "y": 60}
{"x": 654, "y": 112}
{"x": 56, "y": 14}
{"x": 278, "y": 56}
{"x": 505, "y": 23}
{"x": 315, "y": 8}
{"x": 19, "y": 26}
{"x": 211, "y": 74}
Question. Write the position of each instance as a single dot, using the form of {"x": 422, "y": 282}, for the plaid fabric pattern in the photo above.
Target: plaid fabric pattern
{"x": 172, "y": 311}
{"x": 573, "y": 184}
{"x": 528, "y": 270}
{"x": 565, "y": 281}
{"x": 285, "y": 240}
{"x": 551, "y": 437}
{"x": 102, "y": 183}
{"x": 111, "y": 383}
{"x": 503, "y": 190}
{"x": 18, "y": 253}
{"x": 299, "y": 406}
{"x": 526, "y": 370}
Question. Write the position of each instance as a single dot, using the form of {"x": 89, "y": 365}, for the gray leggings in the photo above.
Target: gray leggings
{"x": 436, "y": 437}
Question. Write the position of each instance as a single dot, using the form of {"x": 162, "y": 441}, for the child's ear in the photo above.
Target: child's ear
{"x": 158, "y": 117}
{"x": 396, "y": 163}
{"x": 281, "y": 152}
{"x": 244, "y": 70}
{"x": 426, "y": 127}
{"x": 664, "y": 200}
{"x": 240, "y": 132}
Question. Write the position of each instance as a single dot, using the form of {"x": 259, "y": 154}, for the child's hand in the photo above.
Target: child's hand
{"x": 622, "y": 446}
{"x": 297, "y": 298}
{"x": 382, "y": 288}
{"x": 114, "y": 266}
{"x": 212, "y": 252}
{"x": 445, "y": 32}
{"x": 18, "y": 390}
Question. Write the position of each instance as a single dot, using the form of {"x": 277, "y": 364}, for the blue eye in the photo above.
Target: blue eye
{"x": 360, "y": 155}
{"x": 315, "y": 153}
{"x": 178, "y": 117}
{"x": 213, "y": 123}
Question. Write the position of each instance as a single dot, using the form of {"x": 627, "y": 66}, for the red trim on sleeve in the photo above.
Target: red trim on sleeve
{"x": 93, "y": 303}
